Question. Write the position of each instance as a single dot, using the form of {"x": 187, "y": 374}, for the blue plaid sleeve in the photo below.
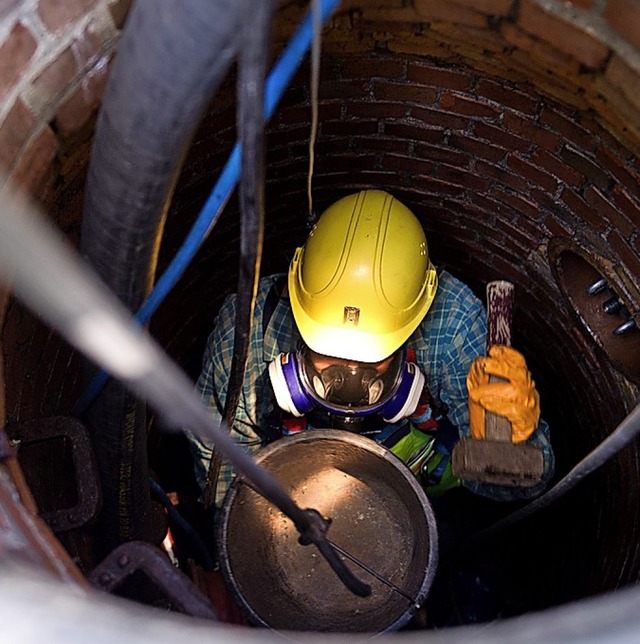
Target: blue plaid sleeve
{"x": 213, "y": 383}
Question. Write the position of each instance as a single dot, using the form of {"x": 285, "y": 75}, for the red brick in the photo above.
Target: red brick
{"x": 580, "y": 208}
{"x": 622, "y": 169}
{"x": 616, "y": 112}
{"x": 552, "y": 164}
{"x": 407, "y": 164}
{"x": 531, "y": 172}
{"x": 295, "y": 167}
{"x": 410, "y": 93}
{"x": 348, "y": 128}
{"x": 339, "y": 162}
{"x": 625, "y": 79}
{"x": 501, "y": 175}
{"x": 378, "y": 109}
{"x": 585, "y": 166}
{"x": 401, "y": 147}
{"x": 372, "y": 67}
{"x": 500, "y": 137}
{"x": 80, "y": 107}
{"x": 467, "y": 106}
{"x": 624, "y": 17}
{"x": 563, "y": 34}
{"x": 14, "y": 132}
{"x": 621, "y": 221}
{"x": 56, "y": 14}
{"x": 490, "y": 7}
{"x": 397, "y": 22}
{"x": 468, "y": 180}
{"x": 624, "y": 251}
{"x": 15, "y": 54}
{"x": 535, "y": 55}
{"x": 627, "y": 204}
{"x": 384, "y": 179}
{"x": 524, "y": 206}
{"x": 468, "y": 209}
{"x": 438, "y": 118}
{"x": 479, "y": 149}
{"x": 411, "y": 132}
{"x": 438, "y": 77}
{"x": 297, "y": 114}
{"x": 57, "y": 76}
{"x": 529, "y": 130}
{"x": 558, "y": 227}
{"x": 333, "y": 90}
{"x": 442, "y": 153}
{"x": 285, "y": 136}
{"x": 432, "y": 186}
{"x": 518, "y": 240}
{"x": 545, "y": 200}
{"x": 33, "y": 170}
{"x": 449, "y": 12}
{"x": 486, "y": 203}
{"x": 508, "y": 96}
{"x": 475, "y": 43}
{"x": 568, "y": 127}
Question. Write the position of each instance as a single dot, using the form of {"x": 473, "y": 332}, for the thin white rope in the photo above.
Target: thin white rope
{"x": 315, "y": 81}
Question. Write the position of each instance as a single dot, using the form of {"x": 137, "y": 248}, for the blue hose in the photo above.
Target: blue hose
{"x": 277, "y": 82}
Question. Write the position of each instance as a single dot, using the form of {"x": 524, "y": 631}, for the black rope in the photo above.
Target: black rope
{"x": 254, "y": 53}
{"x": 206, "y": 560}
{"x": 624, "y": 433}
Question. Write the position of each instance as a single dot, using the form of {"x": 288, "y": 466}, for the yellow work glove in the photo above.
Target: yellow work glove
{"x": 517, "y": 398}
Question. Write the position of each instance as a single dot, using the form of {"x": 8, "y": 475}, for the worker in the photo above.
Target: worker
{"x": 366, "y": 334}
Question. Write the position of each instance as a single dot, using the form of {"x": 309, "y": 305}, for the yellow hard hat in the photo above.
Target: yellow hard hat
{"x": 363, "y": 282}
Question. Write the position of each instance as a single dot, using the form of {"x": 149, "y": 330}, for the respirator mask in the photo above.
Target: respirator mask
{"x": 304, "y": 380}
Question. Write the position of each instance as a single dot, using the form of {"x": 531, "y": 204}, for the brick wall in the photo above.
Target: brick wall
{"x": 507, "y": 125}
{"x": 54, "y": 61}
{"x": 584, "y": 53}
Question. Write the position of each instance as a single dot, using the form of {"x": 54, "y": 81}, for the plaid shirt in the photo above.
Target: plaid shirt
{"x": 451, "y": 336}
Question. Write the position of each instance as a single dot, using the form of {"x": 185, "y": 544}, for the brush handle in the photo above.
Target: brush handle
{"x": 500, "y": 296}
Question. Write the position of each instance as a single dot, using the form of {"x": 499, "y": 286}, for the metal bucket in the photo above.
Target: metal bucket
{"x": 379, "y": 514}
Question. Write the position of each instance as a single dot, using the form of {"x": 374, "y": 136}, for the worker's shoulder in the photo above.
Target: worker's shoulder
{"x": 454, "y": 310}
{"x": 453, "y": 295}
{"x": 267, "y": 285}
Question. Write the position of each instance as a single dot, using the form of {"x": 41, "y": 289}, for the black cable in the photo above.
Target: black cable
{"x": 624, "y": 433}
{"x": 253, "y": 66}
{"x": 206, "y": 560}
{"x": 254, "y": 53}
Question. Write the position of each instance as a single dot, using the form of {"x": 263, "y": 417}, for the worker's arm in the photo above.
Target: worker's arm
{"x": 518, "y": 400}
{"x": 455, "y": 334}
{"x": 212, "y": 384}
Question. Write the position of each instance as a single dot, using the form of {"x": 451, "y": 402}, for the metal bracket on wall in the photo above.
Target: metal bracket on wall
{"x": 163, "y": 582}
{"x": 57, "y": 458}
{"x": 605, "y": 300}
